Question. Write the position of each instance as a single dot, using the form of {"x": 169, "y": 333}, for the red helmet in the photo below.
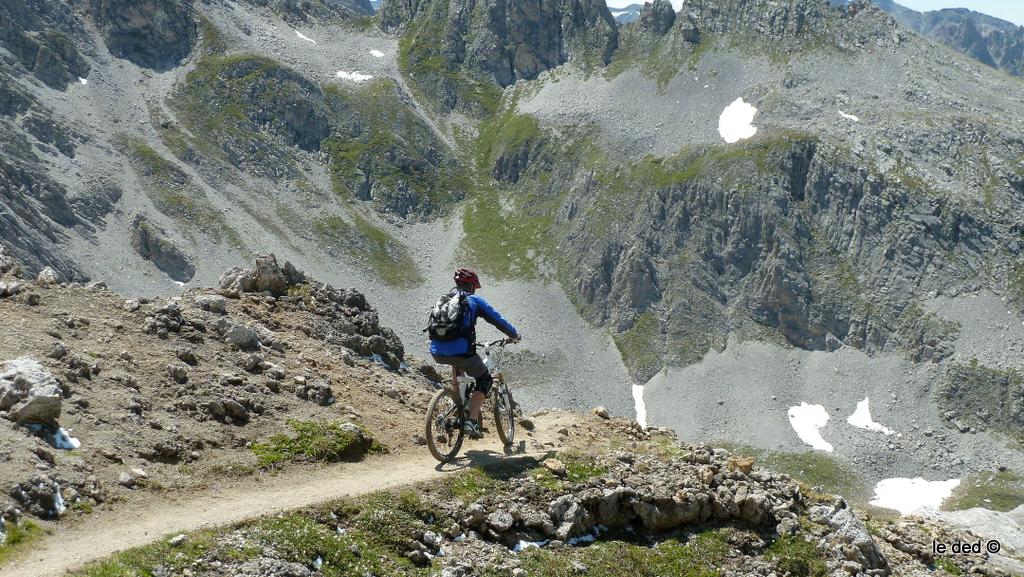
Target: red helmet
{"x": 467, "y": 276}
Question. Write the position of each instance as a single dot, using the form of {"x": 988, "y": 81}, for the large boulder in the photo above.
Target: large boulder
{"x": 155, "y": 34}
{"x": 266, "y": 276}
{"x": 29, "y": 393}
{"x": 852, "y": 532}
{"x": 269, "y": 276}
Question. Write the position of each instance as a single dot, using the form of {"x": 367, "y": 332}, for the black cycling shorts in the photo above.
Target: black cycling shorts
{"x": 473, "y": 366}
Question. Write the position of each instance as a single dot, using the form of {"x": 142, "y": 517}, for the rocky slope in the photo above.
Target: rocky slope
{"x": 649, "y": 507}
{"x": 109, "y": 398}
{"x": 992, "y": 41}
{"x": 576, "y": 162}
{"x": 785, "y": 230}
{"x": 454, "y": 52}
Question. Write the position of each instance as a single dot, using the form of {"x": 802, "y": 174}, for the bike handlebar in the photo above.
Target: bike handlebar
{"x": 499, "y": 342}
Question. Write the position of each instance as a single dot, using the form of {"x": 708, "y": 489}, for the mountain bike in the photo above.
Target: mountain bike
{"x": 449, "y": 408}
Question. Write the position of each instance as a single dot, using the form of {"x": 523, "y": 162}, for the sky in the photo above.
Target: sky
{"x": 1012, "y": 10}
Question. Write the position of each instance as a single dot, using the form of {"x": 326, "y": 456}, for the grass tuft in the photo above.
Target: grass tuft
{"x": 797, "y": 557}
{"x": 20, "y": 537}
{"x": 998, "y": 491}
{"x": 312, "y": 441}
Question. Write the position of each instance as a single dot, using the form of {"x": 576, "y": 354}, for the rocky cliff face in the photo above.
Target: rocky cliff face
{"x": 995, "y": 42}
{"x": 497, "y": 41}
{"x": 324, "y": 11}
{"x": 40, "y": 38}
{"x": 150, "y": 33}
{"x": 795, "y": 231}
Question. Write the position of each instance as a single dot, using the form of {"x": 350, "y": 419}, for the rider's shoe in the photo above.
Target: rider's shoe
{"x": 472, "y": 428}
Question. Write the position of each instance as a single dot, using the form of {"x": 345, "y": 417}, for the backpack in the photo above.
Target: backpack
{"x": 447, "y": 317}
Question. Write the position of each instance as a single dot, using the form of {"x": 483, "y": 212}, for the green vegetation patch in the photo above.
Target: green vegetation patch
{"x": 20, "y": 537}
{"x": 662, "y": 61}
{"x": 142, "y": 561}
{"x": 640, "y": 345}
{"x": 581, "y": 467}
{"x": 797, "y": 557}
{"x": 389, "y": 155}
{"x": 317, "y": 441}
{"x": 984, "y": 397}
{"x": 818, "y": 471}
{"x": 507, "y": 235}
{"x": 175, "y": 195}
{"x": 998, "y": 491}
{"x": 425, "y": 60}
{"x": 470, "y": 485}
{"x": 502, "y": 134}
{"x": 213, "y": 41}
{"x": 701, "y": 556}
{"x": 365, "y": 242}
{"x": 1015, "y": 286}
{"x": 227, "y": 100}
{"x": 948, "y": 565}
{"x": 377, "y": 528}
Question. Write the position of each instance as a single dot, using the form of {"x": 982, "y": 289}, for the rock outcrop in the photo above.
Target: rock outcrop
{"x": 155, "y": 34}
{"x": 341, "y": 317}
{"x": 40, "y": 36}
{"x": 500, "y": 40}
{"x": 318, "y": 10}
{"x": 992, "y": 41}
{"x": 152, "y": 243}
{"x": 29, "y": 393}
{"x": 657, "y": 17}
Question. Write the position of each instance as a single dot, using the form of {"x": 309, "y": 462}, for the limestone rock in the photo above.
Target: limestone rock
{"x": 212, "y": 303}
{"x": 29, "y": 393}
{"x": 155, "y": 34}
{"x": 657, "y": 17}
{"x": 153, "y": 244}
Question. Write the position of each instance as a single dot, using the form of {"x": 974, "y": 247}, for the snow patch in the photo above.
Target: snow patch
{"x": 356, "y": 77}
{"x": 376, "y": 54}
{"x": 912, "y": 495}
{"x": 304, "y": 37}
{"x": 861, "y": 418}
{"x": 641, "y": 407}
{"x": 83, "y": 80}
{"x": 849, "y": 116}
{"x": 62, "y": 440}
{"x": 584, "y": 539}
{"x": 808, "y": 420}
{"x": 58, "y": 501}
{"x": 734, "y": 124}
{"x": 523, "y": 545}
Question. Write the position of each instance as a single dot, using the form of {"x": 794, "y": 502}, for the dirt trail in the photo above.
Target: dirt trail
{"x": 148, "y": 520}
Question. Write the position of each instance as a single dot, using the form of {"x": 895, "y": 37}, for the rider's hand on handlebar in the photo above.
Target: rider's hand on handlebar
{"x": 516, "y": 338}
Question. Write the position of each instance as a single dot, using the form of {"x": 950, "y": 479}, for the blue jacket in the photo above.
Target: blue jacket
{"x": 476, "y": 306}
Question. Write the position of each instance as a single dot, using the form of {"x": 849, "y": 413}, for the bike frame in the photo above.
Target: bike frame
{"x": 493, "y": 363}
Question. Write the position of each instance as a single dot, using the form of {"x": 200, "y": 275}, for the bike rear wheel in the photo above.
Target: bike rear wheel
{"x": 444, "y": 426}
{"x": 504, "y": 414}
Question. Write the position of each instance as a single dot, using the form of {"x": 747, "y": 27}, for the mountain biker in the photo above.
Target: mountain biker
{"x": 461, "y": 352}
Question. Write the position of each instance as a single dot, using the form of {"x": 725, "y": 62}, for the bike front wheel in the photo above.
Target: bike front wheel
{"x": 444, "y": 426}
{"x": 504, "y": 414}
